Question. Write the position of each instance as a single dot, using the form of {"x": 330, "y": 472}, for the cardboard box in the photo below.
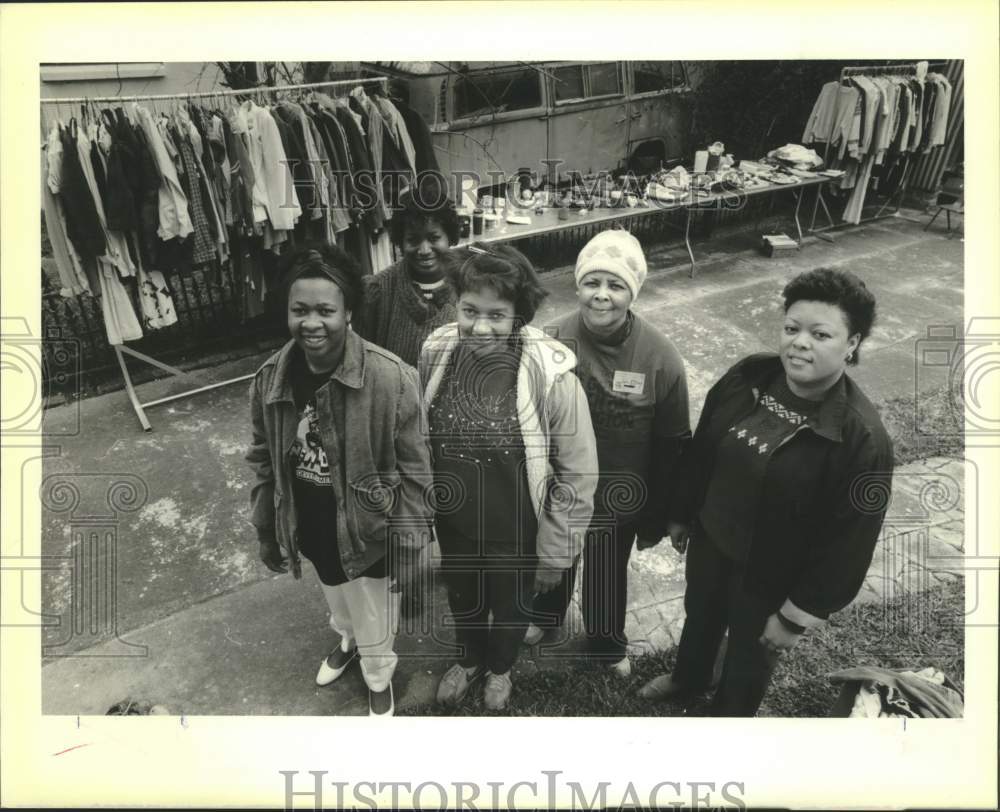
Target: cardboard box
{"x": 772, "y": 244}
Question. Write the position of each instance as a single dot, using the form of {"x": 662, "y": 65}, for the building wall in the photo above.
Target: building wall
{"x": 74, "y": 80}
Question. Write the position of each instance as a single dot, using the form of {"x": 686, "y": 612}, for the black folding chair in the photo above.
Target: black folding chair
{"x": 950, "y": 198}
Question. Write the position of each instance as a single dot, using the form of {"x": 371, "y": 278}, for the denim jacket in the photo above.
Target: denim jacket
{"x": 369, "y": 415}
{"x": 824, "y": 496}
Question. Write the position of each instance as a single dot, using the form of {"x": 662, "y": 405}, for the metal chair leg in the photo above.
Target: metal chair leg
{"x": 933, "y": 219}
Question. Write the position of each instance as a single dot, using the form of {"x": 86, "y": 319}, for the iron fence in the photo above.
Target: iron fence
{"x": 208, "y": 321}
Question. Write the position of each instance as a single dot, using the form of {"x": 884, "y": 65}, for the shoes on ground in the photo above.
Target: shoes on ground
{"x": 381, "y": 703}
{"x": 533, "y": 636}
{"x": 663, "y": 687}
{"x": 496, "y": 694}
{"x": 622, "y": 668}
{"x": 336, "y": 664}
{"x": 456, "y": 682}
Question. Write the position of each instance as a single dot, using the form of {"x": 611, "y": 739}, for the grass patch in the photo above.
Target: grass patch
{"x": 931, "y": 427}
{"x": 928, "y": 631}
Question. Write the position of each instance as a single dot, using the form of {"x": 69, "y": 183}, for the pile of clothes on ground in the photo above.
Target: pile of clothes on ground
{"x": 882, "y": 693}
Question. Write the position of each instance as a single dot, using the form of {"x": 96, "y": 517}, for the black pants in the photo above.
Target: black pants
{"x": 715, "y": 599}
{"x": 484, "y": 581}
{"x": 606, "y": 554}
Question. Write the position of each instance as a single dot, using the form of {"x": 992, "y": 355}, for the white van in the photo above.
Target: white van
{"x": 589, "y": 117}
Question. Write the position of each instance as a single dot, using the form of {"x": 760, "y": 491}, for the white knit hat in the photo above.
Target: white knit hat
{"x": 617, "y": 252}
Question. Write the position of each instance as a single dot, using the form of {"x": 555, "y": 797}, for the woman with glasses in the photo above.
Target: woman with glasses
{"x": 514, "y": 460}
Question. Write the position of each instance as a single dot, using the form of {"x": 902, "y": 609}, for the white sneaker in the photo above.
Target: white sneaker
{"x": 496, "y": 694}
{"x": 622, "y": 668}
{"x": 533, "y": 636}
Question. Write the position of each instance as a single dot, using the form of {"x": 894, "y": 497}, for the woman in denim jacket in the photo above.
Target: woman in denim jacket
{"x": 342, "y": 469}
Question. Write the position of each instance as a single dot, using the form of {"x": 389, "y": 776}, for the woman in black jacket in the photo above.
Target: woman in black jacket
{"x": 782, "y": 496}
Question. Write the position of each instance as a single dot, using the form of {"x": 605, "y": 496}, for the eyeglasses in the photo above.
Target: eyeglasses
{"x": 475, "y": 251}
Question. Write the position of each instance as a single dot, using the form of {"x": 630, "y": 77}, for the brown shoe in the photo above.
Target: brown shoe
{"x": 455, "y": 683}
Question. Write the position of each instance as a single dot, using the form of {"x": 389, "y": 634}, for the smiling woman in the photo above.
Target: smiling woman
{"x": 405, "y": 303}
{"x": 637, "y": 395}
{"x": 317, "y": 319}
{"x": 507, "y": 420}
{"x": 331, "y": 414}
{"x": 767, "y": 504}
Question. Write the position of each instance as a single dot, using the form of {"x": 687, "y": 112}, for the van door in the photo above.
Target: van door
{"x": 659, "y": 112}
{"x": 588, "y": 122}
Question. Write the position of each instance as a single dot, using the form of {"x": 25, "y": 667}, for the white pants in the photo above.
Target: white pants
{"x": 365, "y": 612}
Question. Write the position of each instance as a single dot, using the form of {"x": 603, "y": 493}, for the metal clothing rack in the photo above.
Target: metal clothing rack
{"x": 120, "y": 349}
{"x": 845, "y": 73}
{"x": 249, "y": 91}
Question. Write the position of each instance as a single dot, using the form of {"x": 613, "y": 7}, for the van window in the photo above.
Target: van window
{"x": 569, "y": 82}
{"x": 654, "y": 76}
{"x": 574, "y": 82}
{"x": 486, "y": 93}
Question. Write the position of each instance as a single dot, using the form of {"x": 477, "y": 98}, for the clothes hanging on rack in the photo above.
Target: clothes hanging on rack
{"x": 120, "y": 207}
{"x": 143, "y": 148}
{"x": 204, "y": 239}
{"x": 274, "y": 191}
{"x": 206, "y": 180}
{"x": 396, "y": 125}
{"x": 835, "y": 117}
{"x": 876, "y": 121}
{"x": 209, "y": 183}
{"x": 420, "y": 135}
{"x": 381, "y": 252}
{"x": 116, "y": 251}
{"x": 340, "y": 155}
{"x": 942, "y": 108}
{"x": 363, "y": 170}
{"x": 120, "y": 321}
{"x": 155, "y": 300}
{"x": 67, "y": 179}
{"x": 173, "y": 217}
{"x": 72, "y": 278}
{"x": 337, "y": 217}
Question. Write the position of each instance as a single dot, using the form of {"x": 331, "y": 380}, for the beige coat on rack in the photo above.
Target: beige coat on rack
{"x": 273, "y": 187}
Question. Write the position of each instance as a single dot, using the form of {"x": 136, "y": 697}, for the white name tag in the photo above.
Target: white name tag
{"x": 629, "y": 383}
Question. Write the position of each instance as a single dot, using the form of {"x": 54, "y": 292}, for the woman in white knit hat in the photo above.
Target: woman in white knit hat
{"x": 636, "y": 389}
